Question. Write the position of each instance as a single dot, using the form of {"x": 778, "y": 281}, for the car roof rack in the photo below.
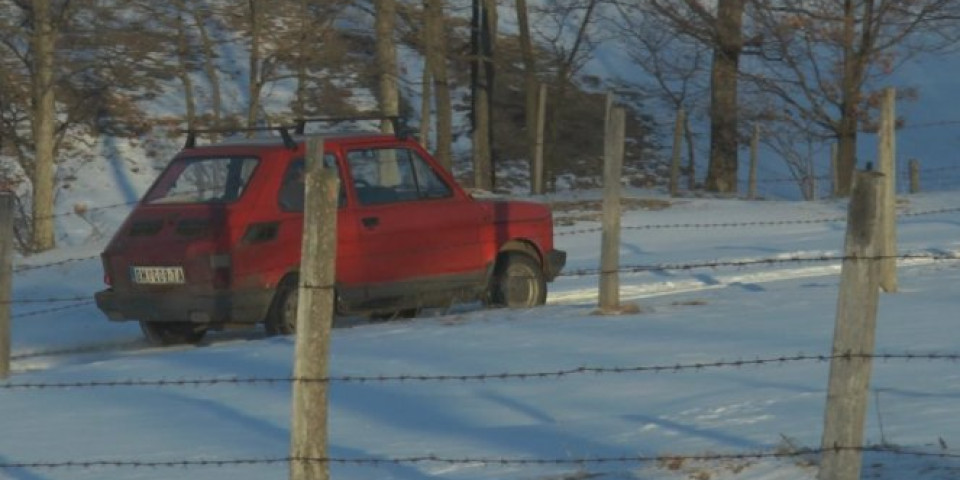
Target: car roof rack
{"x": 283, "y": 130}
{"x": 399, "y": 125}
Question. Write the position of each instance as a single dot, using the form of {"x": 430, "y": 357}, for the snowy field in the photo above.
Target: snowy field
{"x": 627, "y": 421}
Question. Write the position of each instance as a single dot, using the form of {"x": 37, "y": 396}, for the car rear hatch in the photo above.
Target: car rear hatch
{"x": 178, "y": 236}
{"x": 170, "y": 247}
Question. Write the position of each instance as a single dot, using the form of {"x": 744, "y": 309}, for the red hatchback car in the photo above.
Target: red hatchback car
{"x": 216, "y": 240}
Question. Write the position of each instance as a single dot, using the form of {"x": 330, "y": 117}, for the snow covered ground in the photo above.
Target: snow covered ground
{"x": 634, "y": 423}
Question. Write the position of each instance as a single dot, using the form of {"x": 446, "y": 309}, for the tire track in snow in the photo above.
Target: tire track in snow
{"x": 634, "y": 291}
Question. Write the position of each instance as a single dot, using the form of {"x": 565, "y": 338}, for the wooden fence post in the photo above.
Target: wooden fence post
{"x": 854, "y": 333}
{"x": 752, "y": 178}
{"x": 677, "y": 151}
{"x": 6, "y": 279}
{"x": 538, "y": 180}
{"x": 886, "y": 153}
{"x": 914, "y": 175}
{"x": 308, "y": 448}
{"x": 613, "y": 149}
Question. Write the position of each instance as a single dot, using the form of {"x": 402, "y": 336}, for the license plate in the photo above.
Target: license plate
{"x": 157, "y": 275}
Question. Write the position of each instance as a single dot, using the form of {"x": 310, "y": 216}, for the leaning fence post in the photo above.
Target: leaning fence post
{"x": 6, "y": 279}
{"x": 613, "y": 148}
{"x": 677, "y": 150}
{"x": 914, "y": 175}
{"x": 834, "y": 173}
{"x": 308, "y": 448}
{"x": 886, "y": 153}
{"x": 752, "y": 179}
{"x": 854, "y": 333}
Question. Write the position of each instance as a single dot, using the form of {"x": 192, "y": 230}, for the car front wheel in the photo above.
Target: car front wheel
{"x": 518, "y": 282}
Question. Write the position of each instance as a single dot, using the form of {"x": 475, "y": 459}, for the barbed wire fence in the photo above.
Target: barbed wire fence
{"x": 80, "y": 301}
{"x": 809, "y": 454}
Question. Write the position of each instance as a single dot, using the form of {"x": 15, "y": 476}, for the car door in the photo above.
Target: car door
{"x": 413, "y": 226}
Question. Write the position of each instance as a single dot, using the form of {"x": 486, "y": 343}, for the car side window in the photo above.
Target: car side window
{"x": 292, "y": 190}
{"x": 388, "y": 175}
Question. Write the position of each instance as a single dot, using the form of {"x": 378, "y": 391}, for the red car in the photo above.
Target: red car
{"x": 216, "y": 240}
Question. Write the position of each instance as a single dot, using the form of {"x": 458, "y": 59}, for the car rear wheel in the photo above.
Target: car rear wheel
{"x": 518, "y": 282}
{"x": 173, "y": 333}
{"x": 282, "y": 319}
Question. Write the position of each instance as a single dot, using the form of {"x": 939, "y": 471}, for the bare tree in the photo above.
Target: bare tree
{"x": 830, "y": 54}
{"x": 483, "y": 45}
{"x": 721, "y": 28}
{"x": 68, "y": 66}
{"x": 43, "y": 121}
{"x": 567, "y": 29}
{"x": 531, "y": 85}
{"x": 435, "y": 34}
{"x": 677, "y": 66}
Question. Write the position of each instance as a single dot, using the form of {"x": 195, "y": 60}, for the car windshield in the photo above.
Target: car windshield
{"x": 203, "y": 180}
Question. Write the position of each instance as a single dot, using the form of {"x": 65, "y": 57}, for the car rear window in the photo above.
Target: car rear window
{"x": 203, "y": 180}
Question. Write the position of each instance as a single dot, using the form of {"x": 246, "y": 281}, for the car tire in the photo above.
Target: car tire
{"x": 518, "y": 282}
{"x": 282, "y": 317}
{"x": 173, "y": 333}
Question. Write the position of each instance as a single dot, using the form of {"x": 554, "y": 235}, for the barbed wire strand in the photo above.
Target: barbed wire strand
{"x": 483, "y": 377}
{"x": 481, "y": 461}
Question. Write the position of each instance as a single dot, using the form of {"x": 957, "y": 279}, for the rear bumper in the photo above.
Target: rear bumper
{"x": 554, "y": 262}
{"x": 180, "y": 306}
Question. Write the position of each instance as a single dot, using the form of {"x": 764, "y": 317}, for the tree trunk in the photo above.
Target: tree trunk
{"x": 854, "y": 65}
{"x": 386, "y": 15}
{"x": 484, "y": 29}
{"x": 300, "y": 102}
{"x": 722, "y": 171}
{"x": 255, "y": 80}
{"x": 436, "y": 50}
{"x": 43, "y": 118}
{"x": 531, "y": 86}
{"x": 426, "y": 97}
{"x": 183, "y": 69}
{"x": 210, "y": 67}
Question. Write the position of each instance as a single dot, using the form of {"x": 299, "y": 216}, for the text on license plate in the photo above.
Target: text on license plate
{"x": 157, "y": 275}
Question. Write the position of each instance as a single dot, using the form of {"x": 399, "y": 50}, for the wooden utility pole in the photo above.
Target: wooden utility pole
{"x": 914, "y": 175}
{"x": 613, "y": 149}
{"x": 308, "y": 448}
{"x": 752, "y": 179}
{"x": 677, "y": 151}
{"x": 6, "y": 279}
{"x": 854, "y": 333}
{"x": 538, "y": 180}
{"x": 887, "y": 153}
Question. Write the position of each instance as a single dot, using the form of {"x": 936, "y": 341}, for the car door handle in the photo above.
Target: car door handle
{"x": 370, "y": 222}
